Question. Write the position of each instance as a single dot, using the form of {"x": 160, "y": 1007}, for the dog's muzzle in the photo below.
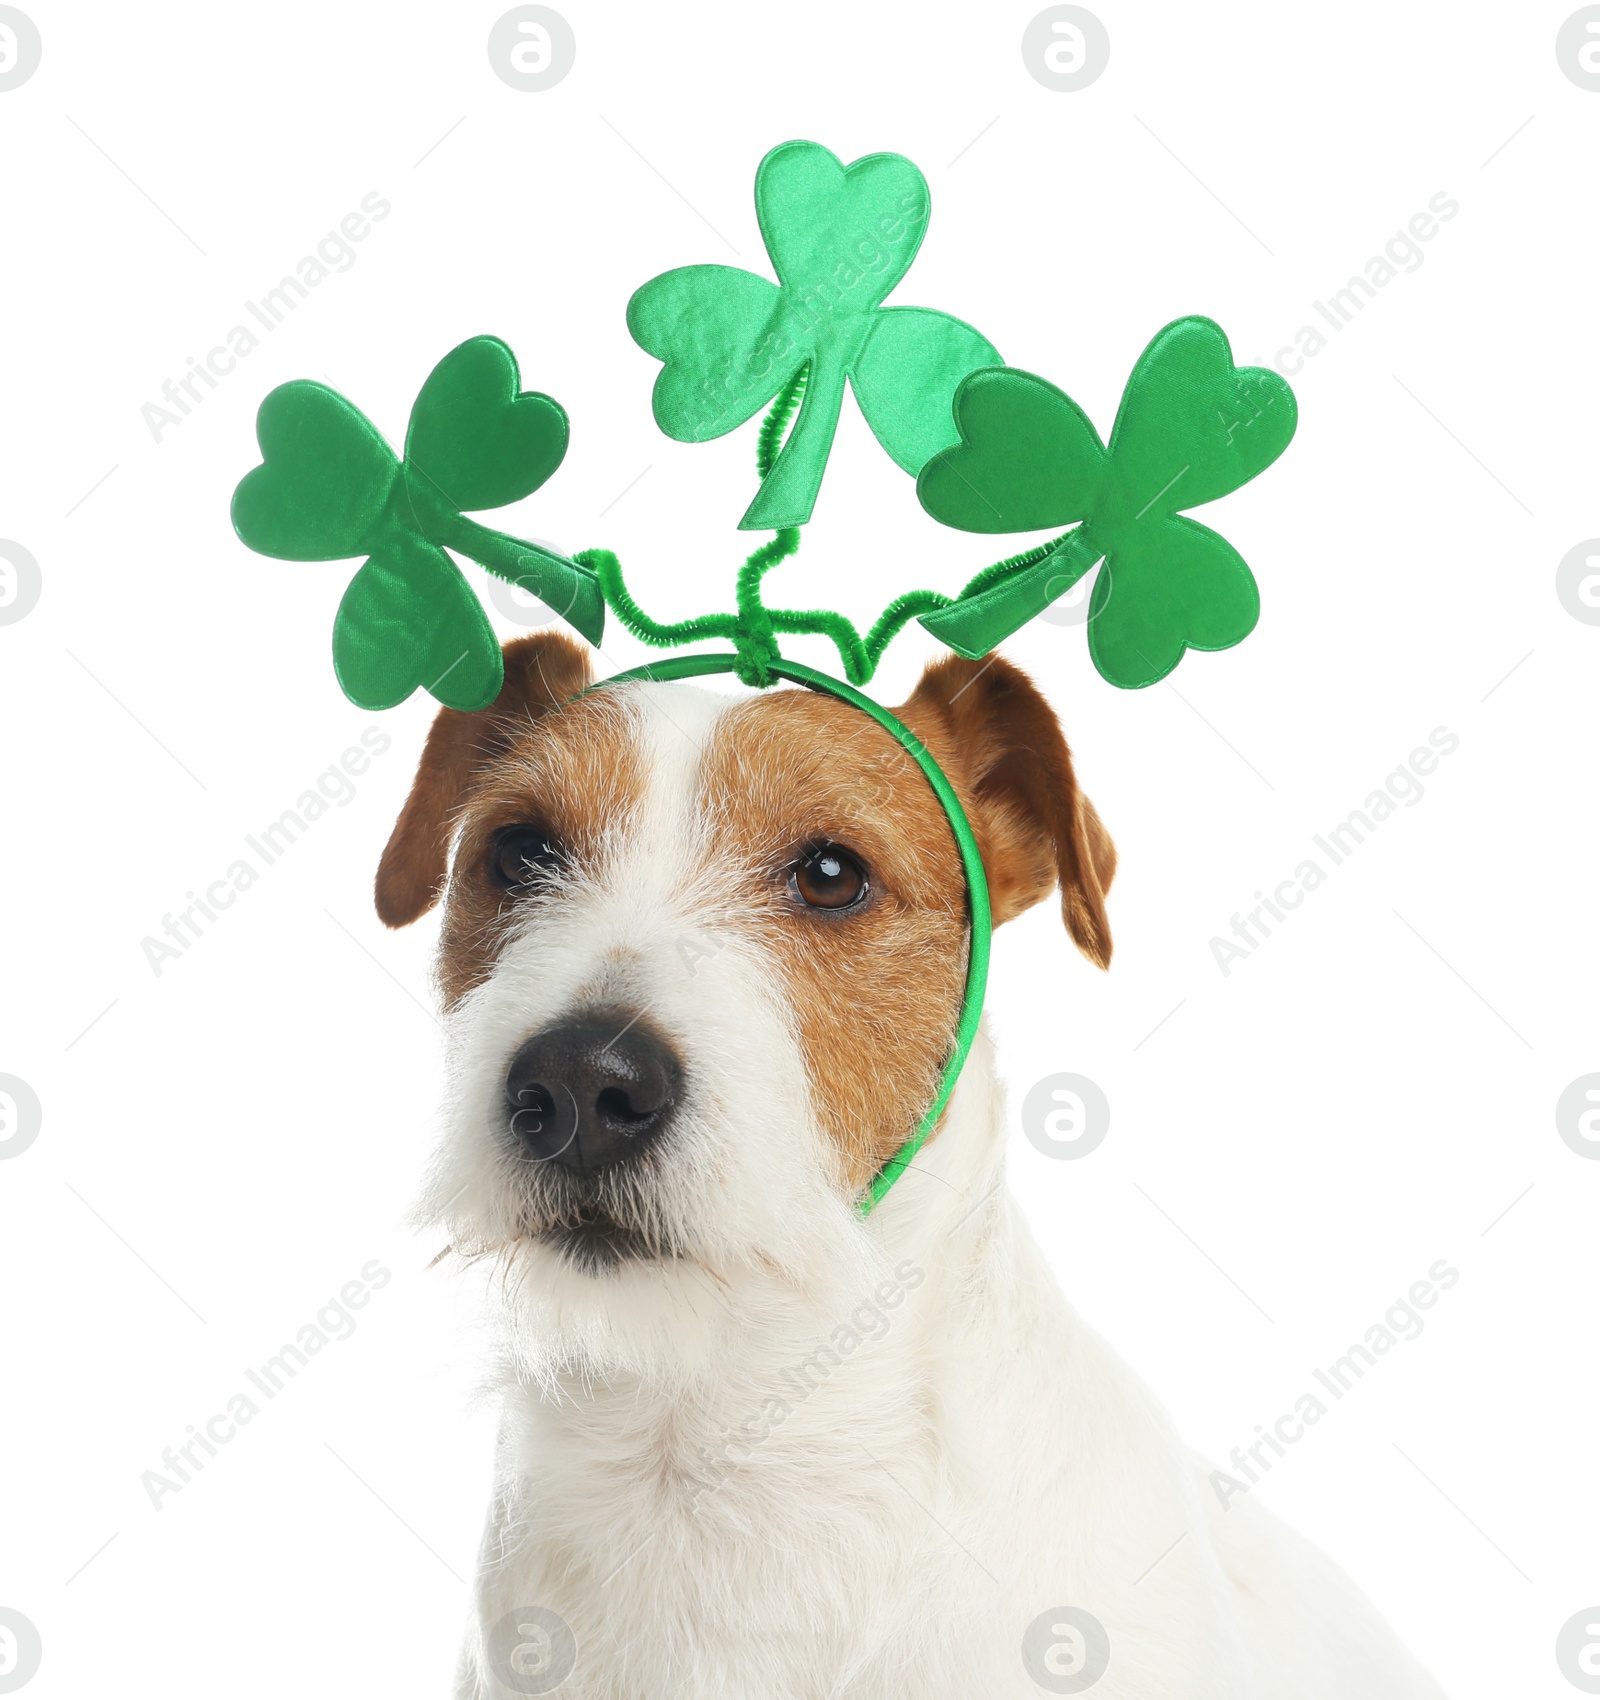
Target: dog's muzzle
{"x": 590, "y": 1095}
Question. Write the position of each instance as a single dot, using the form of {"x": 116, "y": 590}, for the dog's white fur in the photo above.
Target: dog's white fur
{"x": 718, "y": 1510}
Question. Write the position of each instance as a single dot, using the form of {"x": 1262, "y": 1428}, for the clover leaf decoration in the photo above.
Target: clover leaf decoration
{"x": 996, "y": 449}
{"x": 840, "y": 238}
{"x": 1191, "y": 427}
{"x": 329, "y": 488}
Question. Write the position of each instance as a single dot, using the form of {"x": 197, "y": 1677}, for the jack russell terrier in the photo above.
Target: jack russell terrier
{"x": 701, "y": 960}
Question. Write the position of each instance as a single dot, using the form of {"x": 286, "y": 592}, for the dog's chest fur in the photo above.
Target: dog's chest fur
{"x": 889, "y": 1529}
{"x": 776, "y": 1452}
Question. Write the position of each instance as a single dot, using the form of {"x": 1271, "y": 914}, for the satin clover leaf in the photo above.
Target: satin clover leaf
{"x": 840, "y": 238}
{"x": 329, "y": 488}
{"x": 1191, "y": 427}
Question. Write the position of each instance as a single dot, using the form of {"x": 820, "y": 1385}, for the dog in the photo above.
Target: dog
{"x": 700, "y": 960}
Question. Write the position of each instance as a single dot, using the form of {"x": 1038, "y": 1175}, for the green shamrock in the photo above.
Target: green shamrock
{"x": 840, "y": 238}
{"x": 1191, "y": 428}
{"x": 329, "y": 488}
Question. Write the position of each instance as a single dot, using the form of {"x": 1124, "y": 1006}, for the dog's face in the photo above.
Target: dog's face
{"x": 702, "y": 960}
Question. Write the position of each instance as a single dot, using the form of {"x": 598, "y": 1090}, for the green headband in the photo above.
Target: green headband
{"x": 994, "y": 450}
{"x": 695, "y": 666}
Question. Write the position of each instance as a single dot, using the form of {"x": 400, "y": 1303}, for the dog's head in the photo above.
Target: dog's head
{"x": 702, "y": 960}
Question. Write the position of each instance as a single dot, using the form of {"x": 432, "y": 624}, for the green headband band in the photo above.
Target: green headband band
{"x": 694, "y": 666}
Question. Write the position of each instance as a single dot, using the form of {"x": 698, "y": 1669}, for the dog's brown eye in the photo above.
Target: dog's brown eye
{"x": 521, "y": 856}
{"x": 828, "y": 877}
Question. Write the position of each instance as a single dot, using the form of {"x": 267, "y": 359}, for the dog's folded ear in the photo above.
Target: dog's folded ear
{"x": 542, "y": 671}
{"x": 998, "y": 739}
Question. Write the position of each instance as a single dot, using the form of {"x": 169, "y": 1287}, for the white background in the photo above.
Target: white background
{"x": 225, "y": 1145}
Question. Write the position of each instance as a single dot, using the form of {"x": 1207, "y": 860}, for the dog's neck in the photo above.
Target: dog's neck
{"x": 782, "y": 1363}
{"x": 794, "y": 1464}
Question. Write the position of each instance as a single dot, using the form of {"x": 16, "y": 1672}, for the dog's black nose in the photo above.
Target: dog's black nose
{"x": 591, "y": 1094}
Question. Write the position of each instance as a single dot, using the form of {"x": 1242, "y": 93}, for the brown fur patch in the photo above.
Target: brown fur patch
{"x": 535, "y": 757}
{"x": 576, "y": 773}
{"x": 875, "y": 990}
{"x": 1002, "y": 746}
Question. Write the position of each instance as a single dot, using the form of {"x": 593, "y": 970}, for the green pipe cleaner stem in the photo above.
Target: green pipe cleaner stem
{"x": 753, "y": 629}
